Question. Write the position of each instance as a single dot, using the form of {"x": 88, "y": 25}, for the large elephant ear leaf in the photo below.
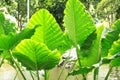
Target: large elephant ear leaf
{"x": 91, "y": 48}
{"x": 36, "y": 56}
{"x": 110, "y": 37}
{"x": 49, "y": 31}
{"x": 78, "y": 23}
{"x": 9, "y": 41}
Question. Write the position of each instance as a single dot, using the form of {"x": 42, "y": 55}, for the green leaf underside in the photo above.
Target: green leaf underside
{"x": 115, "y": 62}
{"x": 78, "y": 23}
{"x": 9, "y": 41}
{"x": 35, "y": 56}
{"x": 111, "y": 36}
{"x": 49, "y": 31}
{"x": 115, "y": 48}
{"x": 91, "y": 54}
{"x": 88, "y": 42}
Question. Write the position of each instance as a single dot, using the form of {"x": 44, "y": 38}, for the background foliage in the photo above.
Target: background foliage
{"x": 79, "y": 34}
{"x": 99, "y": 9}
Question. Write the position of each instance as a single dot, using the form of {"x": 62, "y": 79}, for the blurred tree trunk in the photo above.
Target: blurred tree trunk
{"x": 19, "y": 17}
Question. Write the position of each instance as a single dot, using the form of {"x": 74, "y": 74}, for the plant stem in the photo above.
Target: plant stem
{"x": 46, "y": 75}
{"x": 66, "y": 77}
{"x": 16, "y": 75}
{"x": 70, "y": 70}
{"x": 96, "y": 71}
{"x": 1, "y": 62}
{"x": 63, "y": 66}
{"x": 17, "y": 65}
{"x": 78, "y": 51}
{"x": 77, "y": 78}
{"x": 84, "y": 77}
{"x": 106, "y": 78}
{"x": 61, "y": 72}
{"x": 32, "y": 75}
{"x": 37, "y": 72}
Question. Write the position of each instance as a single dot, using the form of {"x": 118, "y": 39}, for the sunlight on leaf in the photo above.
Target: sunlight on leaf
{"x": 78, "y": 23}
{"x": 110, "y": 37}
{"x": 91, "y": 54}
{"x": 36, "y": 56}
{"x": 9, "y": 41}
{"x": 49, "y": 31}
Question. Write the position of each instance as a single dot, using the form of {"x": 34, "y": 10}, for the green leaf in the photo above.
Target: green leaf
{"x": 115, "y": 48}
{"x": 84, "y": 70}
{"x": 66, "y": 44}
{"x": 6, "y": 41}
{"x": 90, "y": 52}
{"x": 36, "y": 56}
{"x": 9, "y": 41}
{"x": 6, "y": 26}
{"x": 88, "y": 42}
{"x": 1, "y": 51}
{"x": 78, "y": 23}
{"x": 6, "y": 55}
{"x": 49, "y": 31}
{"x": 2, "y": 18}
{"x": 114, "y": 52}
{"x": 115, "y": 62}
{"x": 106, "y": 61}
{"x": 110, "y": 37}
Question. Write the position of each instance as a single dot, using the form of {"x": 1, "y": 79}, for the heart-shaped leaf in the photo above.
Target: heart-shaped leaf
{"x": 49, "y": 31}
{"x": 9, "y": 41}
{"x": 36, "y": 56}
{"x": 78, "y": 23}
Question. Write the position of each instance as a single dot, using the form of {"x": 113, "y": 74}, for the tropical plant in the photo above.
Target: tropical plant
{"x": 42, "y": 43}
